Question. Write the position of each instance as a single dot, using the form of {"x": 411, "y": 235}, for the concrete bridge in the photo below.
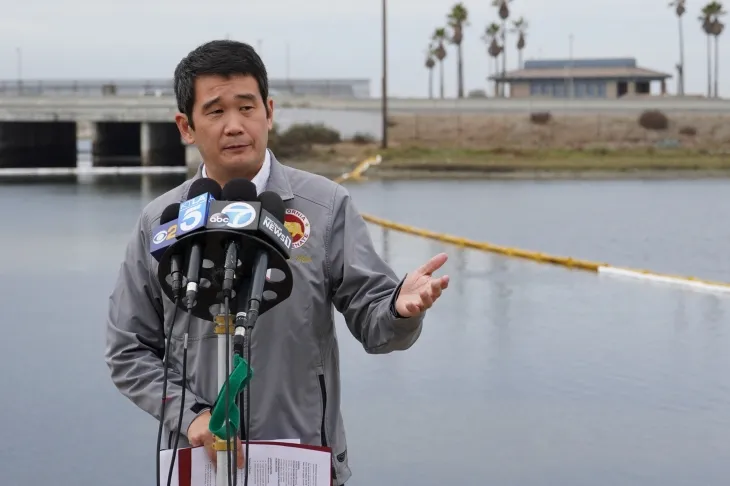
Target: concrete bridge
{"x": 42, "y": 130}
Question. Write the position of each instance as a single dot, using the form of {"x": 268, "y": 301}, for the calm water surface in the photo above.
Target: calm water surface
{"x": 525, "y": 374}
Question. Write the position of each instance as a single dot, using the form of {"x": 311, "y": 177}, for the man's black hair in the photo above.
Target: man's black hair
{"x": 219, "y": 58}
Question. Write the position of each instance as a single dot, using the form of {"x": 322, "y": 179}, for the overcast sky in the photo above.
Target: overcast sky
{"x": 336, "y": 38}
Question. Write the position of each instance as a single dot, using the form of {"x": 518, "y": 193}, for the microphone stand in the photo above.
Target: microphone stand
{"x": 223, "y": 447}
{"x": 224, "y": 329}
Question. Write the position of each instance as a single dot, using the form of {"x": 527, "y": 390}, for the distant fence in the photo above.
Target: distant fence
{"x": 563, "y": 130}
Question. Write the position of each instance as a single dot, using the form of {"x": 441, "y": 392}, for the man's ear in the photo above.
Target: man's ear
{"x": 270, "y": 106}
{"x": 187, "y": 133}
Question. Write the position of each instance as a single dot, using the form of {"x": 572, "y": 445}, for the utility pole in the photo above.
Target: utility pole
{"x": 384, "y": 95}
{"x": 19, "y": 53}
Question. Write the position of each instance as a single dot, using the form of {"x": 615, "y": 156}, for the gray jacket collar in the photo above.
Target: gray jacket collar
{"x": 278, "y": 180}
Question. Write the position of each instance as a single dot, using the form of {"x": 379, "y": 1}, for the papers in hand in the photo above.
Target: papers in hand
{"x": 275, "y": 463}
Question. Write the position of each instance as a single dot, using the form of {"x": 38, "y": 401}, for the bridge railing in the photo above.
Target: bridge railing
{"x": 84, "y": 88}
{"x": 335, "y": 88}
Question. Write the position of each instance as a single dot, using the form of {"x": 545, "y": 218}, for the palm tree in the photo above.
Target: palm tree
{"x": 712, "y": 26}
{"x": 430, "y": 63}
{"x": 491, "y": 33}
{"x": 457, "y": 20}
{"x": 717, "y": 29}
{"x": 503, "y": 6}
{"x": 439, "y": 37}
{"x": 680, "y": 9}
{"x": 520, "y": 28}
{"x": 706, "y": 19}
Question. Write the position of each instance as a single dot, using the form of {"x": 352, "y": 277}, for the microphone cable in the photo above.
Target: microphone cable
{"x": 247, "y": 425}
{"x": 226, "y": 320}
{"x": 166, "y": 365}
{"x": 182, "y": 395}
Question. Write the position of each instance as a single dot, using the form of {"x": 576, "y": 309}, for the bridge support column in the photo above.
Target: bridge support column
{"x": 38, "y": 144}
{"x": 162, "y": 144}
{"x": 116, "y": 144}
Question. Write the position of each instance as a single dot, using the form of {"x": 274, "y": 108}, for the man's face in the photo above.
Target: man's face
{"x": 231, "y": 124}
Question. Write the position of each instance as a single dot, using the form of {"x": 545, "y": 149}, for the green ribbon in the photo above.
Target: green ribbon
{"x": 238, "y": 380}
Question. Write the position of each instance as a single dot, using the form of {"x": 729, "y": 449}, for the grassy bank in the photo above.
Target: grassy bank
{"x": 498, "y": 146}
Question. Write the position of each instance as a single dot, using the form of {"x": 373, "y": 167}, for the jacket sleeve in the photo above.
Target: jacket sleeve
{"x": 363, "y": 286}
{"x": 135, "y": 340}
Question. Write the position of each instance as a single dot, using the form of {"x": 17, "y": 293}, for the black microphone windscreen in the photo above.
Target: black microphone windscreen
{"x": 240, "y": 189}
{"x": 201, "y": 186}
{"x": 273, "y": 203}
{"x": 170, "y": 213}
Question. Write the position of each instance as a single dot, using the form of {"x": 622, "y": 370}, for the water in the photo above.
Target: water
{"x": 525, "y": 374}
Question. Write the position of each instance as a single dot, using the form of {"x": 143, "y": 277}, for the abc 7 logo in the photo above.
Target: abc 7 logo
{"x": 236, "y": 215}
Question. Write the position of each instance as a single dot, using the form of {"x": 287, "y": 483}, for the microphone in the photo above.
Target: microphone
{"x": 235, "y": 190}
{"x": 235, "y": 227}
{"x": 164, "y": 235}
{"x": 169, "y": 215}
{"x": 273, "y": 210}
{"x": 164, "y": 238}
{"x": 191, "y": 217}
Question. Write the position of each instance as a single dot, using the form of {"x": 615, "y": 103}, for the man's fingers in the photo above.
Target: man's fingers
{"x": 426, "y": 300}
{"x": 436, "y": 288}
{"x": 239, "y": 453}
{"x": 413, "y": 308}
{"x": 433, "y": 264}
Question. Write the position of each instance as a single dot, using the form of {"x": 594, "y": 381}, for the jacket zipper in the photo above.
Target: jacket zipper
{"x": 323, "y": 435}
{"x": 323, "y": 390}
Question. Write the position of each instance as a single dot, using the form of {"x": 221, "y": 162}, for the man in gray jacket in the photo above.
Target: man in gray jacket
{"x": 225, "y": 109}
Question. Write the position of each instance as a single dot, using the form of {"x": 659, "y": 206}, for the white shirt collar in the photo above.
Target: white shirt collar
{"x": 261, "y": 178}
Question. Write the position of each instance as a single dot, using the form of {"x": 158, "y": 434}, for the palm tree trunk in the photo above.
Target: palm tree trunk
{"x": 460, "y": 73}
{"x": 504, "y": 56}
{"x": 441, "y": 68}
{"x": 519, "y": 59}
{"x": 430, "y": 84}
{"x": 681, "y": 57}
{"x": 717, "y": 64}
{"x": 709, "y": 67}
{"x": 496, "y": 81}
{"x": 489, "y": 73}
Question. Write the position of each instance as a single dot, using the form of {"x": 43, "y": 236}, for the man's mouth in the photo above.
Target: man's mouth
{"x": 238, "y": 146}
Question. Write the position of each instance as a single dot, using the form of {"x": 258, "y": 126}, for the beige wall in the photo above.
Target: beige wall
{"x": 611, "y": 89}
{"x": 520, "y": 90}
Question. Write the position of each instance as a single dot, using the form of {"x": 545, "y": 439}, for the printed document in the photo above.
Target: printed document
{"x": 272, "y": 463}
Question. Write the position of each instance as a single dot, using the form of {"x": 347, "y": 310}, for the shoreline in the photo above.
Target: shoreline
{"x": 420, "y": 163}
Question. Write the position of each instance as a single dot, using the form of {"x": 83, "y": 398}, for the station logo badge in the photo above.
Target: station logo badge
{"x": 298, "y": 225}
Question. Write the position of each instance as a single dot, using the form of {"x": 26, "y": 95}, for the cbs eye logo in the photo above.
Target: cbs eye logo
{"x": 162, "y": 236}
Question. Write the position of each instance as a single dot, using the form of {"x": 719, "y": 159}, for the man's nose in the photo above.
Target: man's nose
{"x": 233, "y": 126}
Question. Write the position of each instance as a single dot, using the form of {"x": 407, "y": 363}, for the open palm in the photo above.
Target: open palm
{"x": 421, "y": 289}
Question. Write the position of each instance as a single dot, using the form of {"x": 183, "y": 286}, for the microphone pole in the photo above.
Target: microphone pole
{"x": 234, "y": 190}
{"x": 246, "y": 319}
{"x": 223, "y": 330}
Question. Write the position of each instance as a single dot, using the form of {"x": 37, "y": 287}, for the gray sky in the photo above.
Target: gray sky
{"x": 336, "y": 38}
